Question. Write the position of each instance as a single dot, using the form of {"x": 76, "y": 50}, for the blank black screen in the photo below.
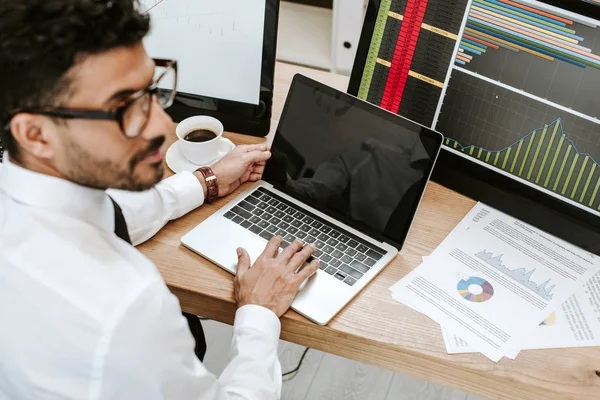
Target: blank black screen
{"x": 351, "y": 160}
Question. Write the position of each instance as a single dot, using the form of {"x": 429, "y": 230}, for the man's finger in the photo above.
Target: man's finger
{"x": 287, "y": 253}
{"x": 300, "y": 257}
{"x": 254, "y": 177}
{"x": 309, "y": 270}
{"x": 254, "y": 147}
{"x": 254, "y": 157}
{"x": 243, "y": 262}
{"x": 272, "y": 247}
{"x": 259, "y": 169}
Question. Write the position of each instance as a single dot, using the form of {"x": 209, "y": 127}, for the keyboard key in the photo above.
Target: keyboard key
{"x": 314, "y": 232}
{"x": 374, "y": 255}
{"x": 352, "y": 243}
{"x": 284, "y": 225}
{"x": 343, "y": 239}
{"x": 299, "y": 234}
{"x": 256, "y": 194}
{"x": 290, "y": 211}
{"x": 308, "y": 220}
{"x": 266, "y": 235}
{"x": 341, "y": 247}
{"x": 281, "y": 207}
{"x": 334, "y": 234}
{"x": 299, "y": 215}
{"x": 284, "y": 244}
{"x": 272, "y": 229}
{"x": 275, "y": 221}
{"x": 328, "y": 249}
{"x": 359, "y": 266}
{"x": 332, "y": 242}
{"x": 281, "y": 233}
{"x": 350, "y": 271}
{"x": 360, "y": 257}
{"x": 370, "y": 262}
{"x": 310, "y": 239}
{"x": 266, "y": 216}
{"x": 337, "y": 254}
{"x": 241, "y": 212}
{"x": 350, "y": 281}
{"x": 325, "y": 229}
{"x": 305, "y": 228}
{"x": 351, "y": 252}
{"x": 319, "y": 244}
{"x": 279, "y": 214}
{"x": 323, "y": 237}
{"x": 246, "y": 224}
{"x": 252, "y": 200}
{"x": 237, "y": 219}
{"x": 297, "y": 223}
{"x": 292, "y": 230}
{"x": 246, "y": 206}
{"x": 263, "y": 224}
{"x": 317, "y": 253}
{"x": 229, "y": 215}
{"x": 288, "y": 218}
{"x": 347, "y": 259}
{"x": 331, "y": 270}
{"x": 255, "y": 220}
{"x": 340, "y": 276}
{"x": 289, "y": 238}
{"x": 323, "y": 265}
{"x": 273, "y": 202}
{"x": 362, "y": 248}
{"x": 316, "y": 224}
{"x": 258, "y": 211}
{"x": 326, "y": 257}
{"x": 262, "y": 205}
{"x": 335, "y": 263}
{"x": 271, "y": 210}
{"x": 255, "y": 229}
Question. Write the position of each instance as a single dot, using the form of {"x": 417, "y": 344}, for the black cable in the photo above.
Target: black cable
{"x": 299, "y": 363}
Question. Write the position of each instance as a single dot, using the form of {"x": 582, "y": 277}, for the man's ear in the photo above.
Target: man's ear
{"x": 32, "y": 134}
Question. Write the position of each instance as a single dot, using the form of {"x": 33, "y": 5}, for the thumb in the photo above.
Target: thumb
{"x": 256, "y": 156}
{"x": 243, "y": 262}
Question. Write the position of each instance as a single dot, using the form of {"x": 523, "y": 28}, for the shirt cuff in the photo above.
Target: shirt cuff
{"x": 188, "y": 190}
{"x": 258, "y": 318}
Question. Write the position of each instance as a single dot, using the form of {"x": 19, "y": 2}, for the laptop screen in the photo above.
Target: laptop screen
{"x": 351, "y": 160}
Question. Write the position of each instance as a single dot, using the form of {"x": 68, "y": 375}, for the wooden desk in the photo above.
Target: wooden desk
{"x": 373, "y": 328}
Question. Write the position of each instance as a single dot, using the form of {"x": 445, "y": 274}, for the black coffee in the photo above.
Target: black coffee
{"x": 200, "y": 135}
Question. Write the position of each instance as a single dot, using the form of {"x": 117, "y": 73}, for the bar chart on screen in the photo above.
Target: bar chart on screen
{"x": 218, "y": 44}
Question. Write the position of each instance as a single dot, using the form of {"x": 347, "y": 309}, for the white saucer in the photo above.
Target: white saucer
{"x": 177, "y": 161}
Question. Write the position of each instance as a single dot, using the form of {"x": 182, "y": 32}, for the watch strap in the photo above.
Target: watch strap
{"x": 212, "y": 186}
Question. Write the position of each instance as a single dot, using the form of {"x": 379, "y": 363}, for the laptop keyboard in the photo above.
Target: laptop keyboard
{"x": 341, "y": 254}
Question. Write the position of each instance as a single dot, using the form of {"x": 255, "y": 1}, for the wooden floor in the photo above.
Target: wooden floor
{"x": 328, "y": 377}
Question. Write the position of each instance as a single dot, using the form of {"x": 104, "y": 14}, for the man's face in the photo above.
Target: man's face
{"x": 96, "y": 153}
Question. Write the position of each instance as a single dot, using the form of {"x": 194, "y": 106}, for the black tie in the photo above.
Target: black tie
{"x": 120, "y": 224}
{"x": 193, "y": 321}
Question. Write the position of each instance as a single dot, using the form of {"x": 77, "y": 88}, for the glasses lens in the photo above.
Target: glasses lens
{"x": 135, "y": 117}
{"x": 167, "y": 84}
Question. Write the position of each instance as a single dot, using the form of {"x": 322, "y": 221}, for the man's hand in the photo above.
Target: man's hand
{"x": 244, "y": 163}
{"x": 272, "y": 282}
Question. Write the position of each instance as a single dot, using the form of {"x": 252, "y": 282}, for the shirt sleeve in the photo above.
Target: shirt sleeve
{"x": 149, "y": 354}
{"x": 147, "y": 212}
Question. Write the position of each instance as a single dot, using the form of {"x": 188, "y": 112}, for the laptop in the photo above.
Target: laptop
{"x": 345, "y": 175}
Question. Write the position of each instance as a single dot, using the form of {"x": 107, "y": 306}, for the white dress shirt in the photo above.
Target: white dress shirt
{"x": 84, "y": 315}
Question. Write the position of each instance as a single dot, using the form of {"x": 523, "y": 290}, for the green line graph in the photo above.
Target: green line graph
{"x": 547, "y": 158}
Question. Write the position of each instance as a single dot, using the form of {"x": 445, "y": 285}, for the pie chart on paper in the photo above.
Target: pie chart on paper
{"x": 474, "y": 289}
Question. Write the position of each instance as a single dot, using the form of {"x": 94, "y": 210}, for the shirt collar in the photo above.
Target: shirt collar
{"x": 56, "y": 195}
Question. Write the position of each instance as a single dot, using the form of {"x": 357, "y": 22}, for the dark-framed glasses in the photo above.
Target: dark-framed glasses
{"x": 134, "y": 113}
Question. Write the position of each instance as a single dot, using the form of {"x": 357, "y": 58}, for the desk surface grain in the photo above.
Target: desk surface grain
{"x": 373, "y": 328}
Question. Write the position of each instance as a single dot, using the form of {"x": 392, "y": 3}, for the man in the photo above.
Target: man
{"x": 84, "y": 315}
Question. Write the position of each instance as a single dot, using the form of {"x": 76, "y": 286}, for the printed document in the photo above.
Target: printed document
{"x": 494, "y": 279}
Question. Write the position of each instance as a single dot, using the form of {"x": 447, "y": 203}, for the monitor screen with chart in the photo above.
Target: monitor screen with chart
{"x": 513, "y": 85}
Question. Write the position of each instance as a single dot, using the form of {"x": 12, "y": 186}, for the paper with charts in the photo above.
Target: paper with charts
{"x": 493, "y": 279}
{"x": 217, "y": 44}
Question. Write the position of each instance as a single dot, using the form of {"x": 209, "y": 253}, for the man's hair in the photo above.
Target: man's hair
{"x": 41, "y": 40}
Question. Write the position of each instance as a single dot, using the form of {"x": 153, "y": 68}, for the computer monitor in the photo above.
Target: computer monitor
{"x": 512, "y": 85}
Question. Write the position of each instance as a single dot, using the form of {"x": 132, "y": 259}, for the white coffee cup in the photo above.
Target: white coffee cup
{"x": 200, "y": 153}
